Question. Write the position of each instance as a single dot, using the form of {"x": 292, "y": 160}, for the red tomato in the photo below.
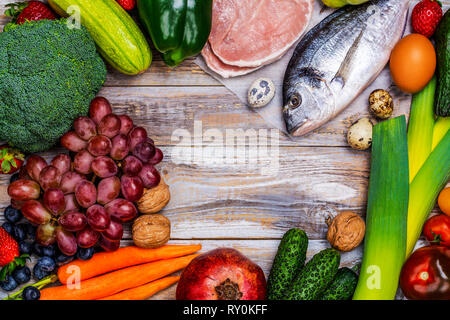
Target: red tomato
{"x": 437, "y": 230}
{"x": 426, "y": 274}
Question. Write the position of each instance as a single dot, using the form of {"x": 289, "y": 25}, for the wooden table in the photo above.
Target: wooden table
{"x": 234, "y": 205}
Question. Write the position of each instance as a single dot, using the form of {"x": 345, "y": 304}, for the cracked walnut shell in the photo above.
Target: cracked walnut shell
{"x": 346, "y": 231}
{"x": 155, "y": 199}
{"x": 151, "y": 231}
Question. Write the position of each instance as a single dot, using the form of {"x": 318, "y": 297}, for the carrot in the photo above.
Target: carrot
{"x": 145, "y": 291}
{"x": 114, "y": 282}
{"x": 124, "y": 257}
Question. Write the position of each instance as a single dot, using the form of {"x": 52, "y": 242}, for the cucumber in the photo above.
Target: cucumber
{"x": 442, "y": 106}
{"x": 289, "y": 259}
{"x": 119, "y": 40}
{"x": 315, "y": 277}
{"x": 342, "y": 287}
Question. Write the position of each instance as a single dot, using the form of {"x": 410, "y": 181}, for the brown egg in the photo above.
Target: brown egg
{"x": 413, "y": 62}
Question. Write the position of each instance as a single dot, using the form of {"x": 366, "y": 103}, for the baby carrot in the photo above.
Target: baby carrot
{"x": 104, "y": 262}
{"x": 114, "y": 282}
{"x": 144, "y": 292}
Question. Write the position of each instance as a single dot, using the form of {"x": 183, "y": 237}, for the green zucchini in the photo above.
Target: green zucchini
{"x": 342, "y": 287}
{"x": 290, "y": 258}
{"x": 315, "y": 277}
{"x": 387, "y": 213}
{"x": 119, "y": 40}
{"x": 442, "y": 35}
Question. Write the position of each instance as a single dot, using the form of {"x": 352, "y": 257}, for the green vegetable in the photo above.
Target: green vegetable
{"x": 442, "y": 37}
{"x": 425, "y": 188}
{"x": 118, "y": 38}
{"x": 420, "y": 128}
{"x": 289, "y": 260}
{"x": 48, "y": 76}
{"x": 342, "y": 287}
{"x": 179, "y": 28}
{"x": 441, "y": 128}
{"x": 387, "y": 208}
{"x": 315, "y": 277}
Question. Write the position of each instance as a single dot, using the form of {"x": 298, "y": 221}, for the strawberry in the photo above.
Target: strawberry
{"x": 127, "y": 4}
{"x": 29, "y": 11}
{"x": 9, "y": 254}
{"x": 11, "y": 160}
{"x": 426, "y": 16}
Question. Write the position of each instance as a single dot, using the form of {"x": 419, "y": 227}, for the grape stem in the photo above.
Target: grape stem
{"x": 39, "y": 285}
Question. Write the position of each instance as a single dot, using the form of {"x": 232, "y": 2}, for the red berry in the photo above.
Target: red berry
{"x": 127, "y": 4}
{"x": 426, "y": 17}
{"x": 11, "y": 160}
{"x": 29, "y": 11}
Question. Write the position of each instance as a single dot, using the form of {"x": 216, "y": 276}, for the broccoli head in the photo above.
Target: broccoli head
{"x": 48, "y": 76}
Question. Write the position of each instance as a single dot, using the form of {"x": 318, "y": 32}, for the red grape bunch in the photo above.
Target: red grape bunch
{"x": 82, "y": 199}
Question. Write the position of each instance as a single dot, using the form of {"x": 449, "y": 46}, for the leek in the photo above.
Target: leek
{"x": 425, "y": 188}
{"x": 387, "y": 208}
{"x": 440, "y": 130}
{"x": 420, "y": 128}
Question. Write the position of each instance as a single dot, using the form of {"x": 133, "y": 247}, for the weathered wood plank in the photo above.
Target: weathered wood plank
{"x": 212, "y": 201}
{"x": 237, "y": 201}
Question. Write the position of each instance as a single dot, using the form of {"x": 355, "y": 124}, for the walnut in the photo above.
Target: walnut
{"x": 151, "y": 231}
{"x": 346, "y": 231}
{"x": 155, "y": 199}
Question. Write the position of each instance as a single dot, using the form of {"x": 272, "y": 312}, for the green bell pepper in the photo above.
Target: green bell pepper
{"x": 179, "y": 28}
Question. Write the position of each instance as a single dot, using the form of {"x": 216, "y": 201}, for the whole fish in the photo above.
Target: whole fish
{"x": 338, "y": 59}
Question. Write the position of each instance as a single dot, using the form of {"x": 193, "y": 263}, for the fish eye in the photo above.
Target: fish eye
{"x": 295, "y": 101}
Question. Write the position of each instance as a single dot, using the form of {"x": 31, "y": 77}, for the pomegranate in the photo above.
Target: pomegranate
{"x": 222, "y": 274}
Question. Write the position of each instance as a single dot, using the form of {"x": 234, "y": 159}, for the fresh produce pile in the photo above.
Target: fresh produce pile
{"x": 84, "y": 199}
{"x": 130, "y": 273}
{"x": 78, "y": 202}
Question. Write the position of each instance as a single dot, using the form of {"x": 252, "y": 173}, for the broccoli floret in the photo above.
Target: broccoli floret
{"x": 48, "y": 76}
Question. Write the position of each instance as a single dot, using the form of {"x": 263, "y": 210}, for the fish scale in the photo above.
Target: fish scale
{"x": 337, "y": 60}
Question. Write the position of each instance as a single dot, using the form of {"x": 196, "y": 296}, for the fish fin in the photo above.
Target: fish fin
{"x": 346, "y": 65}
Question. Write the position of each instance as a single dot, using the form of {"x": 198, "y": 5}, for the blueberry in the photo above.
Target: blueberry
{"x": 38, "y": 249}
{"x": 12, "y": 215}
{"x": 30, "y": 230}
{"x": 22, "y": 275}
{"x": 85, "y": 254}
{"x": 46, "y": 264}
{"x": 38, "y": 273}
{"x": 25, "y": 247}
{"x": 19, "y": 232}
{"x": 62, "y": 259}
{"x": 9, "y": 227}
{"x": 31, "y": 293}
{"x": 9, "y": 284}
{"x": 49, "y": 251}
{"x": 14, "y": 178}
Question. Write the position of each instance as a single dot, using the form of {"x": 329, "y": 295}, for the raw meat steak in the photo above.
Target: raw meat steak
{"x": 221, "y": 68}
{"x": 253, "y": 33}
